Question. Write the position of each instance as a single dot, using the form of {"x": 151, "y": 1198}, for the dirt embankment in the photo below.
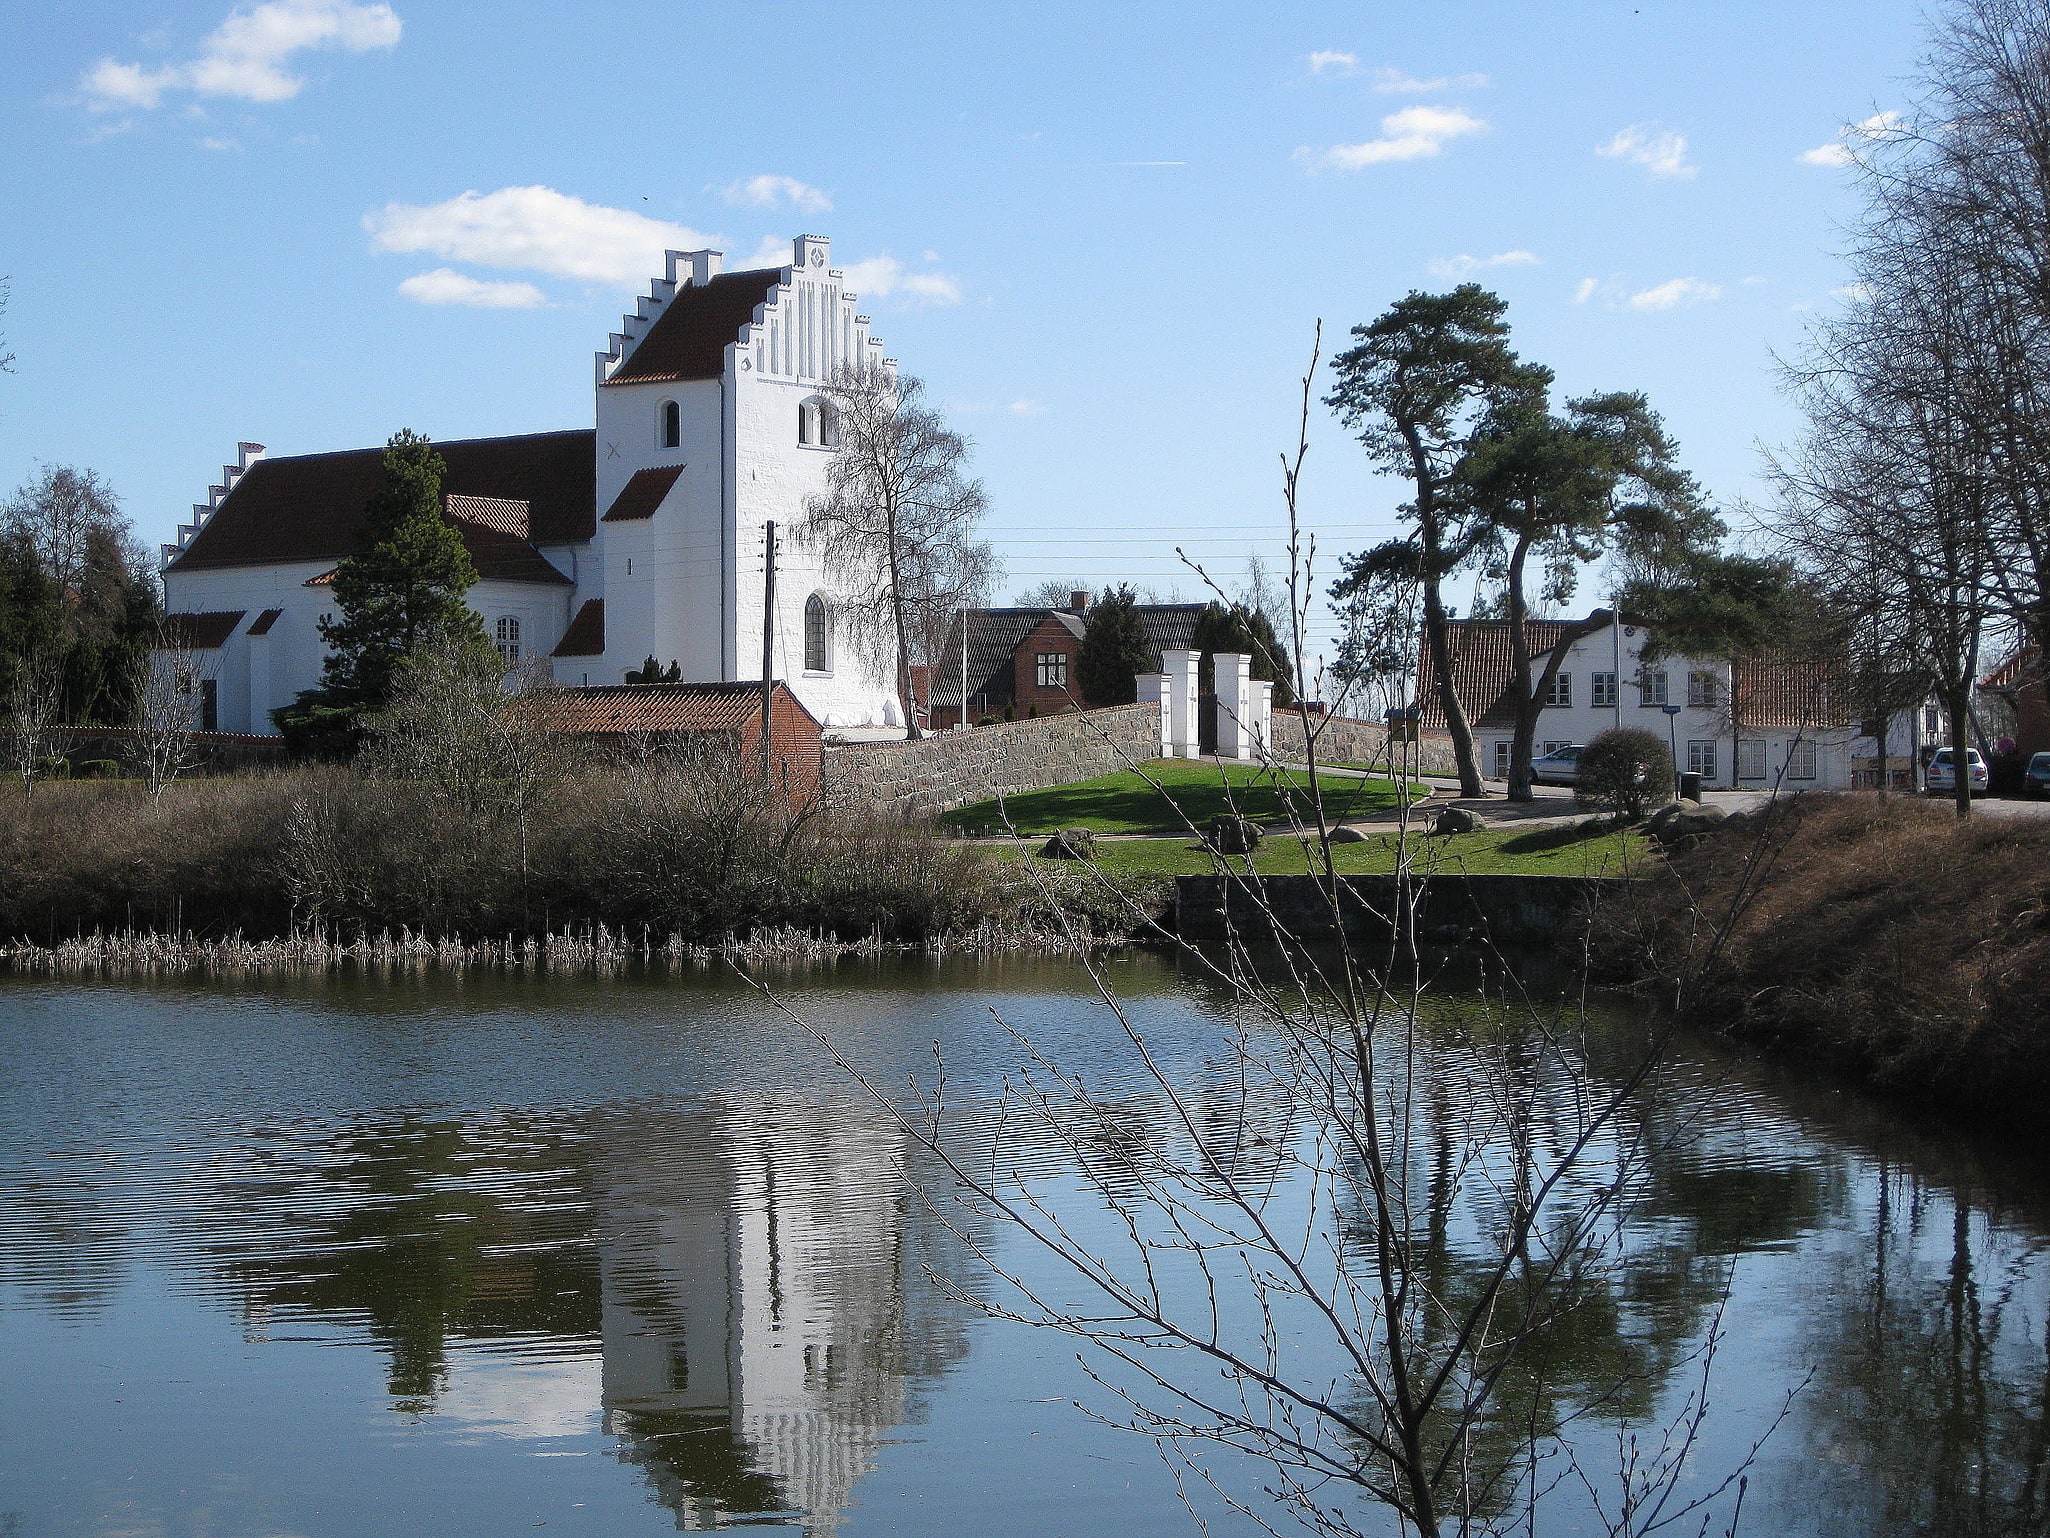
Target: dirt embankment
{"x": 1883, "y": 935}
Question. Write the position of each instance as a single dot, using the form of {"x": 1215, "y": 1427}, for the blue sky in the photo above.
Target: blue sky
{"x": 1102, "y": 233}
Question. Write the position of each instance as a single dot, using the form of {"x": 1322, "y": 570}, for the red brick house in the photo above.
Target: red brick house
{"x": 1023, "y": 660}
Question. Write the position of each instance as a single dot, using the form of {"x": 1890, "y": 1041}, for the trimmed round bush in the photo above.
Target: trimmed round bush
{"x": 1625, "y": 770}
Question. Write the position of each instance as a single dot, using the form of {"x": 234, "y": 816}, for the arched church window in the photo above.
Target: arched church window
{"x": 672, "y": 425}
{"x": 817, "y": 427}
{"x": 509, "y": 640}
{"x": 817, "y": 631}
{"x": 808, "y": 423}
{"x": 829, "y": 426}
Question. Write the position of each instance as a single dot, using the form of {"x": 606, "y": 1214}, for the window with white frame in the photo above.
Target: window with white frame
{"x": 1050, "y": 670}
{"x": 1701, "y": 759}
{"x": 1651, "y": 687}
{"x": 1604, "y": 691}
{"x": 817, "y": 426}
{"x": 1932, "y": 721}
{"x": 817, "y": 635}
{"x": 1801, "y": 760}
{"x": 1561, "y": 691}
{"x": 1751, "y": 759}
{"x": 1554, "y": 745}
{"x": 509, "y": 640}
{"x": 1704, "y": 689}
{"x": 1501, "y": 760}
{"x": 672, "y": 425}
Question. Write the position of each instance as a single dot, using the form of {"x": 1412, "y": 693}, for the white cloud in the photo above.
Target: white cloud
{"x": 211, "y": 143}
{"x": 1414, "y": 133}
{"x": 1329, "y": 61}
{"x": 1662, "y": 154}
{"x": 1396, "y": 82}
{"x": 770, "y": 191}
{"x": 1841, "y": 150}
{"x": 1452, "y": 268}
{"x": 1027, "y": 408}
{"x": 1585, "y": 291}
{"x": 536, "y": 229}
{"x": 1853, "y": 293}
{"x": 1674, "y": 293}
{"x": 244, "y": 58}
{"x": 445, "y": 285}
{"x": 881, "y": 276}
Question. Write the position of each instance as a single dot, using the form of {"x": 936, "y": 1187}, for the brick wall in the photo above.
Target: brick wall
{"x": 1051, "y": 637}
{"x": 920, "y": 779}
{"x": 1344, "y": 740}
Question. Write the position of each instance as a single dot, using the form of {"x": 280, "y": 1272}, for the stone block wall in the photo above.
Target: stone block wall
{"x": 1346, "y": 740}
{"x": 936, "y": 774}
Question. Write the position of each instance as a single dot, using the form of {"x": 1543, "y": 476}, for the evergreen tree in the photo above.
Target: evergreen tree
{"x": 402, "y": 587}
{"x": 1114, "y": 650}
{"x": 1239, "y": 629}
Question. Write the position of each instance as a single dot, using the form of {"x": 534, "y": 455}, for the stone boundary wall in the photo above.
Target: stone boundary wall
{"x": 216, "y": 752}
{"x": 1347, "y": 740}
{"x": 1503, "y": 910}
{"x": 939, "y": 773}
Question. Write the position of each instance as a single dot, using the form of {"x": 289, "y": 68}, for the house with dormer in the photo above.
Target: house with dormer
{"x": 596, "y": 547}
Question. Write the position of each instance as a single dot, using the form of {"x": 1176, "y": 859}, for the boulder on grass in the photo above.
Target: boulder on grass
{"x": 1683, "y": 827}
{"x": 1233, "y": 835}
{"x": 1346, "y": 833}
{"x": 1070, "y": 844}
{"x": 1456, "y": 819}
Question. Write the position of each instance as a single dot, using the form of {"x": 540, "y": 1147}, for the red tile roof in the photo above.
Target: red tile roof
{"x": 1483, "y": 670}
{"x": 690, "y": 338}
{"x": 642, "y": 494}
{"x": 2018, "y": 670}
{"x": 501, "y": 557}
{"x": 636, "y": 709}
{"x": 264, "y": 621}
{"x": 586, "y": 634}
{"x": 309, "y": 507}
{"x": 202, "y": 631}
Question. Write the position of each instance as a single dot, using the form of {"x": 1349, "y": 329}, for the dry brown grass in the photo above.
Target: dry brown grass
{"x": 1884, "y": 934}
{"x": 688, "y": 850}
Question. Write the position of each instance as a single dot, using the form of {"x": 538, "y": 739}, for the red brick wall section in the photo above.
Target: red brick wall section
{"x": 1049, "y": 635}
{"x": 795, "y": 744}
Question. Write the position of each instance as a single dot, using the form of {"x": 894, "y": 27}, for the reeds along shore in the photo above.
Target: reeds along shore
{"x": 332, "y": 864}
{"x": 1881, "y": 933}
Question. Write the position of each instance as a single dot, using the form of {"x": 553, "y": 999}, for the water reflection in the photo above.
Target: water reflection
{"x": 735, "y": 1290}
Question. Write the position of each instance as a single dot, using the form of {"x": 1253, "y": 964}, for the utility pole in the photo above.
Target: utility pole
{"x": 965, "y": 611}
{"x": 768, "y": 643}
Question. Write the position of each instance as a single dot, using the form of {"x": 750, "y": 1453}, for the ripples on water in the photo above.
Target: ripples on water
{"x": 483, "y": 1255}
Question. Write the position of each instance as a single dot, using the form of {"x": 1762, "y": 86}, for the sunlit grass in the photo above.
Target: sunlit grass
{"x": 1195, "y": 792}
{"x": 1568, "y": 851}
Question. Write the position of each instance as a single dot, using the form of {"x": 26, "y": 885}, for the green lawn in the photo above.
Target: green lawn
{"x": 1564, "y": 851}
{"x": 1125, "y": 803}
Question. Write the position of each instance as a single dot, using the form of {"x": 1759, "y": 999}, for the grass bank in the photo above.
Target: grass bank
{"x": 1883, "y": 935}
{"x": 1194, "y": 792}
{"x": 1561, "y": 851}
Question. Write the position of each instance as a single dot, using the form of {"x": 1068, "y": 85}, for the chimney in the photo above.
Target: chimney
{"x": 1078, "y": 599}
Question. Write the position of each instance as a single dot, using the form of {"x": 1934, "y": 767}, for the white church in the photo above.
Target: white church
{"x": 595, "y": 547}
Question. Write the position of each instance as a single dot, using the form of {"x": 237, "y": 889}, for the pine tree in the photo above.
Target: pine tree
{"x": 1114, "y": 650}
{"x": 403, "y": 587}
{"x": 1239, "y": 629}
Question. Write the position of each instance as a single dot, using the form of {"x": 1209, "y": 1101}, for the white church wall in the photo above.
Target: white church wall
{"x": 290, "y": 655}
{"x": 661, "y": 577}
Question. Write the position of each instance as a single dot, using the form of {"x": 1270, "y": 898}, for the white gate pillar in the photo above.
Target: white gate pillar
{"x": 1179, "y": 669}
{"x": 1154, "y": 690}
{"x": 1234, "y": 674}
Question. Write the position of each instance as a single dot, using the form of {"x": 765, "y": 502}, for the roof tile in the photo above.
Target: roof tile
{"x": 689, "y": 339}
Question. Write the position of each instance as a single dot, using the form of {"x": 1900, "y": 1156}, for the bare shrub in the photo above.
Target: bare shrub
{"x": 30, "y": 729}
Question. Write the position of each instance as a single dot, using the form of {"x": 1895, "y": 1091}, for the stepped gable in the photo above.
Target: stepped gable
{"x": 309, "y": 507}
{"x": 690, "y": 337}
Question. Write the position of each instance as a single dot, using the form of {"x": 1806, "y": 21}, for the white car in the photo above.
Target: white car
{"x": 1940, "y": 782}
{"x": 1561, "y": 766}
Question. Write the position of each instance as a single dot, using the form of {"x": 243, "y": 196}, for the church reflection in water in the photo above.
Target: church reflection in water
{"x": 764, "y": 1311}
{"x": 750, "y": 1275}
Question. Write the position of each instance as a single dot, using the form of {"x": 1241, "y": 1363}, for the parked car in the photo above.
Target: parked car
{"x": 1561, "y": 766}
{"x": 1941, "y": 784}
{"x": 2036, "y": 778}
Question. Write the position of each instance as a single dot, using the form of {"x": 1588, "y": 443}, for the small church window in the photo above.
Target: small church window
{"x": 509, "y": 640}
{"x": 672, "y": 425}
{"x": 815, "y": 634}
{"x": 817, "y": 427}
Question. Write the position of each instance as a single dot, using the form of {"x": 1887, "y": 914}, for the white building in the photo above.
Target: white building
{"x": 1767, "y": 721}
{"x": 596, "y": 547}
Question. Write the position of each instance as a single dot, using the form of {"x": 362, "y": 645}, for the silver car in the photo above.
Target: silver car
{"x": 1561, "y": 766}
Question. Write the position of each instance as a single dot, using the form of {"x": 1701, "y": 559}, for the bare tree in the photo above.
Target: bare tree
{"x": 6, "y": 352}
{"x": 33, "y": 734}
{"x": 896, "y": 523}
{"x": 166, "y": 691}
{"x": 61, "y": 512}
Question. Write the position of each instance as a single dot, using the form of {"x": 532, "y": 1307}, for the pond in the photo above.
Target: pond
{"x": 480, "y": 1254}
